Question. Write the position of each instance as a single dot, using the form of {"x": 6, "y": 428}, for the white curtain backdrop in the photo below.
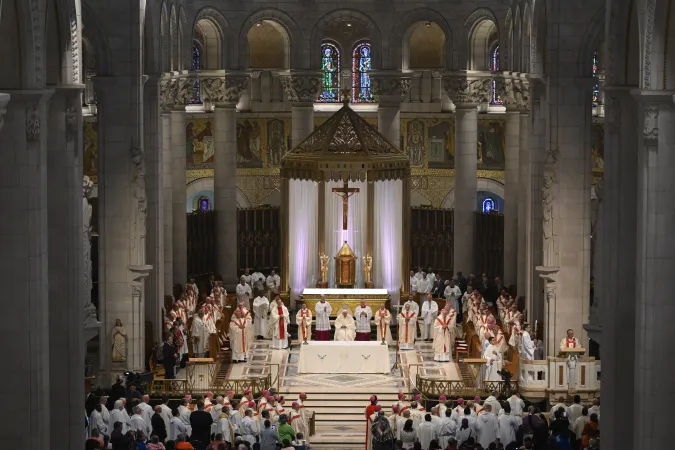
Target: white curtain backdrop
{"x": 355, "y": 235}
{"x": 303, "y": 207}
{"x": 388, "y": 198}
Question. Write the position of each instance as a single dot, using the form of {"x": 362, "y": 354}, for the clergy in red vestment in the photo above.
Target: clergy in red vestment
{"x": 370, "y": 410}
{"x": 279, "y": 320}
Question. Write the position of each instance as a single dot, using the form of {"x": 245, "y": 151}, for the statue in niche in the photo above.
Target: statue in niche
{"x": 550, "y": 215}
{"x": 119, "y": 342}
{"x": 139, "y": 207}
{"x": 89, "y": 308}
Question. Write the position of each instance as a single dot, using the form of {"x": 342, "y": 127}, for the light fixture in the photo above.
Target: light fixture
{"x": 349, "y": 24}
{"x": 259, "y": 24}
{"x": 428, "y": 24}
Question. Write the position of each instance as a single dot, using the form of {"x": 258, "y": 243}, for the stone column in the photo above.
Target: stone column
{"x": 466, "y": 93}
{"x": 167, "y": 178}
{"x": 302, "y": 89}
{"x": 224, "y": 93}
{"x": 23, "y": 239}
{"x": 66, "y": 266}
{"x": 654, "y": 331}
{"x": 153, "y": 144}
{"x": 178, "y": 195}
{"x": 511, "y": 199}
{"x": 615, "y": 266}
{"x": 524, "y": 200}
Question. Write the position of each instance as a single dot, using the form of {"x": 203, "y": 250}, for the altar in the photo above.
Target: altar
{"x": 351, "y": 297}
{"x": 343, "y": 357}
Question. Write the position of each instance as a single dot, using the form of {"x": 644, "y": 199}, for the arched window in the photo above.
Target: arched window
{"x": 196, "y": 65}
{"x": 494, "y": 66}
{"x": 596, "y": 80}
{"x": 330, "y": 65}
{"x": 361, "y": 65}
{"x": 488, "y": 205}
{"x": 204, "y": 204}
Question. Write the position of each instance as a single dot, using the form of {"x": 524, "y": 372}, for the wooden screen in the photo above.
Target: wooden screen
{"x": 431, "y": 239}
{"x": 259, "y": 239}
{"x": 201, "y": 243}
{"x": 489, "y": 244}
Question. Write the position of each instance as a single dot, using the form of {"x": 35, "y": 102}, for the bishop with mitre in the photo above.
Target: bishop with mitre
{"x": 345, "y": 327}
{"x": 304, "y": 320}
{"x": 239, "y": 336}
{"x": 382, "y": 321}
{"x": 444, "y": 334}
{"x": 407, "y": 328}
{"x": 363, "y": 315}
{"x": 279, "y": 320}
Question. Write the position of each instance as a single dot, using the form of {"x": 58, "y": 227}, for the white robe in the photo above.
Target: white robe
{"x": 138, "y": 424}
{"x": 239, "y": 338}
{"x": 275, "y": 322}
{"x": 200, "y": 336}
{"x": 241, "y": 292}
{"x": 496, "y": 406}
{"x": 413, "y": 306}
{"x": 429, "y": 314}
{"x": 452, "y": 295}
{"x": 273, "y": 283}
{"x": 177, "y": 427}
{"x": 517, "y": 407}
{"x": 424, "y": 285}
{"x": 507, "y": 425}
{"x": 407, "y": 320}
{"x": 258, "y": 281}
{"x": 147, "y": 414}
{"x": 96, "y": 421}
{"x": 261, "y": 306}
{"x": 116, "y": 415}
{"x": 494, "y": 363}
{"x": 426, "y": 433}
{"x": 413, "y": 284}
{"x": 323, "y": 311}
{"x": 248, "y": 430}
{"x": 349, "y": 332}
{"x": 447, "y": 427}
{"x": 363, "y": 322}
{"x": 443, "y": 337}
{"x": 382, "y": 320}
{"x": 486, "y": 428}
{"x": 304, "y": 321}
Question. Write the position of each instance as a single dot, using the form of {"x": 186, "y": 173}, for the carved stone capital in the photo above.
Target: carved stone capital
{"x": 650, "y": 126}
{"x": 301, "y": 87}
{"x": 4, "y": 100}
{"x": 467, "y": 90}
{"x": 514, "y": 92}
{"x": 224, "y": 89}
{"x": 390, "y": 87}
{"x": 32, "y": 123}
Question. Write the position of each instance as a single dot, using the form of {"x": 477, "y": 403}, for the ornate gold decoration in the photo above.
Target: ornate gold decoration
{"x": 257, "y": 188}
{"x": 337, "y": 301}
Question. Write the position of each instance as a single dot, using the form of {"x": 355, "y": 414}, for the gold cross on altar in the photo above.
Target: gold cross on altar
{"x": 345, "y": 192}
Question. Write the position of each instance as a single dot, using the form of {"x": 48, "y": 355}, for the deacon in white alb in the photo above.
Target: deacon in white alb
{"x": 407, "y": 327}
{"x": 444, "y": 327}
{"x": 200, "y": 334}
{"x": 345, "y": 328}
{"x": 257, "y": 282}
{"x": 424, "y": 285}
{"x": 279, "y": 320}
{"x": 304, "y": 320}
{"x": 382, "y": 321}
{"x": 323, "y": 311}
{"x": 527, "y": 346}
{"x": 273, "y": 283}
{"x": 363, "y": 315}
{"x": 261, "y": 306}
{"x": 429, "y": 314}
{"x": 244, "y": 292}
{"x": 413, "y": 304}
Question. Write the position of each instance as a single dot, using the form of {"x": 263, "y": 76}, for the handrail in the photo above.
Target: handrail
{"x": 410, "y": 379}
{"x": 278, "y": 376}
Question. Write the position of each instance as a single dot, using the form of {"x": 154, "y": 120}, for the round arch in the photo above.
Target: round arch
{"x": 483, "y": 185}
{"x": 479, "y": 26}
{"x": 526, "y": 35}
{"x": 400, "y": 36}
{"x": 173, "y": 35}
{"x": 217, "y": 29}
{"x": 342, "y": 14}
{"x": 204, "y": 187}
{"x": 93, "y": 31}
{"x": 286, "y": 25}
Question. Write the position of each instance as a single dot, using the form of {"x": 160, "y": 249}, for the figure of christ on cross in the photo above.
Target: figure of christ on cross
{"x": 345, "y": 192}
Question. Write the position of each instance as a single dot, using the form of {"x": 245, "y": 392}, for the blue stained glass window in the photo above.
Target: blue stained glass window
{"x": 204, "y": 204}
{"x": 330, "y": 65}
{"x": 361, "y": 65}
{"x": 596, "y": 82}
{"x": 494, "y": 66}
{"x": 488, "y": 205}
{"x": 196, "y": 61}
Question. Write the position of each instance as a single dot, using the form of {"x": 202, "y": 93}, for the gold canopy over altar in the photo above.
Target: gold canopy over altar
{"x": 348, "y": 150}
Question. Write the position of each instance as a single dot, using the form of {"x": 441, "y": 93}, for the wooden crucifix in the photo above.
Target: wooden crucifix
{"x": 345, "y": 192}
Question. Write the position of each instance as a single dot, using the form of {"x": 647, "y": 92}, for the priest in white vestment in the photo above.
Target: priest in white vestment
{"x": 382, "y": 321}
{"x": 273, "y": 283}
{"x": 494, "y": 361}
{"x": 424, "y": 285}
{"x": 444, "y": 326}
{"x": 413, "y": 282}
{"x": 345, "y": 327}
{"x": 261, "y": 306}
{"x": 96, "y": 421}
{"x": 258, "y": 282}
{"x": 429, "y": 314}
{"x": 279, "y": 320}
{"x": 296, "y": 421}
{"x": 363, "y": 314}
{"x": 200, "y": 335}
{"x": 323, "y": 311}
{"x": 138, "y": 424}
{"x": 517, "y": 407}
{"x": 407, "y": 327}
{"x": 117, "y": 415}
{"x": 413, "y": 305}
{"x": 304, "y": 321}
{"x": 452, "y": 294}
{"x": 244, "y": 292}
{"x": 239, "y": 337}
{"x": 527, "y": 347}
{"x": 486, "y": 427}
{"x": 507, "y": 424}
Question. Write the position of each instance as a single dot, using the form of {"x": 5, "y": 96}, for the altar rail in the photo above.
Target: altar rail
{"x": 434, "y": 388}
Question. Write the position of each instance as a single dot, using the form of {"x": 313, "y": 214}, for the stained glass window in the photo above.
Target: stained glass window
{"x": 596, "y": 80}
{"x": 488, "y": 205}
{"x": 204, "y": 204}
{"x": 494, "y": 66}
{"x": 196, "y": 62}
{"x": 330, "y": 65}
{"x": 361, "y": 65}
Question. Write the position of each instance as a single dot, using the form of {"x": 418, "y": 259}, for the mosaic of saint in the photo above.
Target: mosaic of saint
{"x": 429, "y": 142}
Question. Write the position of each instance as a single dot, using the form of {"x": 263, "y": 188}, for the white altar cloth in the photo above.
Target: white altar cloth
{"x": 349, "y": 292}
{"x": 343, "y": 357}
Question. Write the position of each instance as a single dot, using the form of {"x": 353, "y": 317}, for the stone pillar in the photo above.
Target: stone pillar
{"x": 524, "y": 200}
{"x": 302, "y": 89}
{"x": 167, "y": 178}
{"x": 224, "y": 93}
{"x": 66, "y": 266}
{"x": 466, "y": 93}
{"x": 178, "y": 195}
{"x": 654, "y": 331}
{"x": 511, "y": 199}
{"x": 615, "y": 266}
{"x": 23, "y": 239}
{"x": 153, "y": 145}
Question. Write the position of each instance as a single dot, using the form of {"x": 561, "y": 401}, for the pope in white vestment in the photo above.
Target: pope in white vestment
{"x": 323, "y": 311}
{"x": 200, "y": 334}
{"x": 407, "y": 327}
{"x": 279, "y": 320}
{"x": 345, "y": 327}
{"x": 382, "y": 321}
{"x": 429, "y": 314}
{"x": 444, "y": 327}
{"x": 304, "y": 321}
{"x": 261, "y": 306}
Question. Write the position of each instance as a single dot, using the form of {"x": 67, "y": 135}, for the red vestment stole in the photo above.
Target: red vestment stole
{"x": 445, "y": 324}
{"x": 242, "y": 323}
{"x": 570, "y": 343}
{"x": 407, "y": 320}
{"x": 282, "y": 322}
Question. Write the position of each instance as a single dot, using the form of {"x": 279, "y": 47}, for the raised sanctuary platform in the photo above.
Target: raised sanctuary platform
{"x": 351, "y": 297}
{"x": 344, "y": 357}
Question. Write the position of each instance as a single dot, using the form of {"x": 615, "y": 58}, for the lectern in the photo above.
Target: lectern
{"x": 345, "y": 267}
{"x": 572, "y": 355}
